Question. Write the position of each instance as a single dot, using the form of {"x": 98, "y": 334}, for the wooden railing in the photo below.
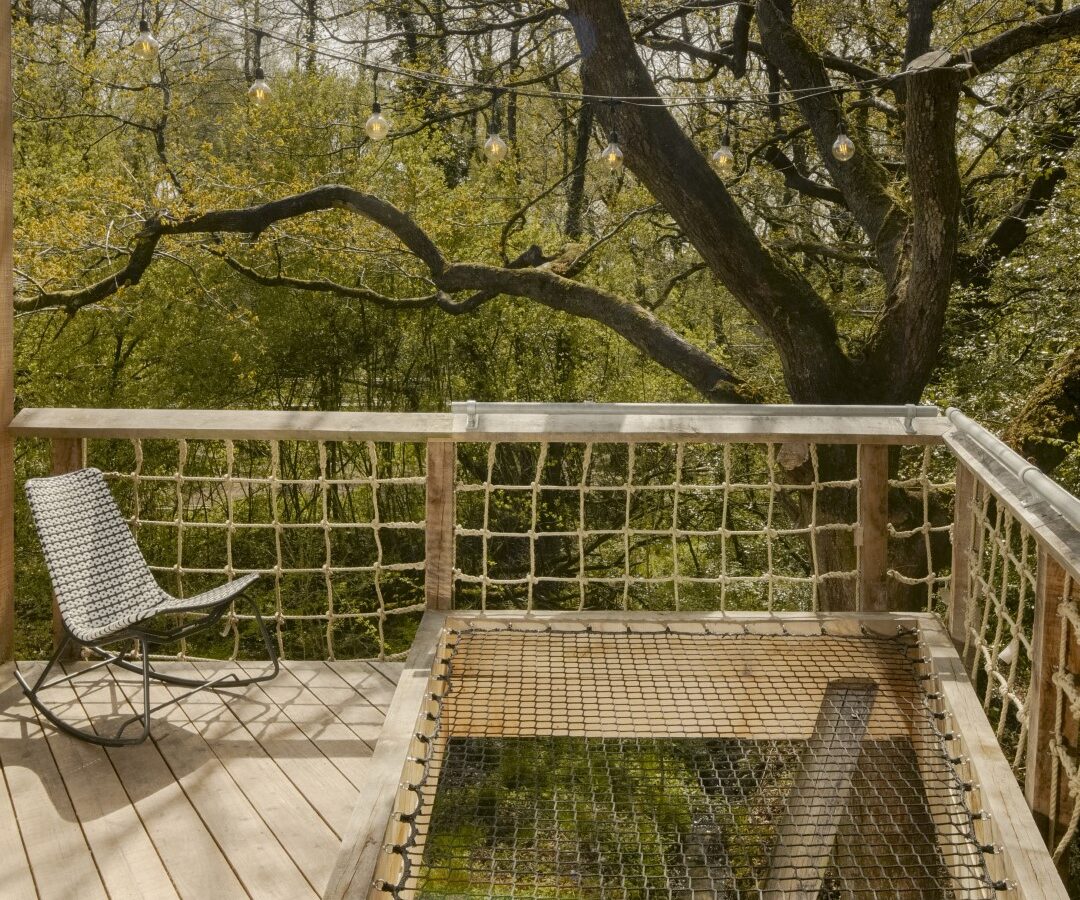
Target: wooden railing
{"x": 362, "y": 520}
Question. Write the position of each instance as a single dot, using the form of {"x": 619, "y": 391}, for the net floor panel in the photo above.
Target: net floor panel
{"x": 574, "y": 762}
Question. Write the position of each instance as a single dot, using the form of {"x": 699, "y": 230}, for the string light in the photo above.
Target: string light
{"x": 259, "y": 92}
{"x": 612, "y": 155}
{"x": 146, "y": 46}
{"x": 377, "y": 126}
{"x": 843, "y": 147}
{"x": 723, "y": 158}
{"x": 495, "y": 148}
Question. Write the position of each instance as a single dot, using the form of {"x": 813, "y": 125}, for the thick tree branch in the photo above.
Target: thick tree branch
{"x": 1005, "y": 46}
{"x": 521, "y": 278}
{"x": 1013, "y": 230}
{"x": 668, "y": 163}
{"x": 862, "y": 179}
{"x": 904, "y": 346}
{"x": 797, "y": 181}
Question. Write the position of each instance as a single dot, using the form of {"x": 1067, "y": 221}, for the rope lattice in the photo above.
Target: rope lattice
{"x": 1064, "y": 747}
{"x": 1004, "y": 561}
{"x": 336, "y": 526}
{"x": 925, "y": 477}
{"x": 634, "y": 761}
{"x": 655, "y": 526}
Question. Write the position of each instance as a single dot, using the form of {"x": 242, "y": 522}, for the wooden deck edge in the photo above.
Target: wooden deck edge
{"x": 360, "y": 847}
{"x": 1025, "y": 861}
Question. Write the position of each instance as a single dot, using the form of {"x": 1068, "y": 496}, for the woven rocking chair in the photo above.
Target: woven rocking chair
{"x": 106, "y": 594}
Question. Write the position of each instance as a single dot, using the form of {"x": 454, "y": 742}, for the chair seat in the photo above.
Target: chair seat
{"x": 91, "y": 625}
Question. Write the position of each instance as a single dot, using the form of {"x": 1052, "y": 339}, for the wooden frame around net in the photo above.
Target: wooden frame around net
{"x": 1020, "y": 857}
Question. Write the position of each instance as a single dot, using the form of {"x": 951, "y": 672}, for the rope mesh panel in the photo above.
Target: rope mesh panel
{"x": 1065, "y": 742}
{"x": 336, "y": 528}
{"x": 656, "y": 526}
{"x": 1004, "y": 560}
{"x": 682, "y": 762}
{"x": 920, "y": 549}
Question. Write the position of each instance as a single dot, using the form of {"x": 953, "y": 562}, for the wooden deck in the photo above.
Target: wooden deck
{"x": 239, "y": 794}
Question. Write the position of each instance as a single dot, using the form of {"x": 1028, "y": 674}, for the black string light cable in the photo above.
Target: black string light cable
{"x": 672, "y": 101}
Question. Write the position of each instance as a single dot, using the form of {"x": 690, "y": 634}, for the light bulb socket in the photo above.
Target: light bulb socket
{"x": 376, "y": 107}
{"x": 260, "y": 75}
{"x": 144, "y": 26}
{"x": 613, "y": 138}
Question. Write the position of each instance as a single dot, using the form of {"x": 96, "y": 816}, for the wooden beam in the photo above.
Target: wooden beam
{"x": 304, "y": 425}
{"x": 362, "y": 843}
{"x": 439, "y": 524}
{"x": 7, "y": 349}
{"x": 963, "y": 537}
{"x": 873, "y": 527}
{"x": 1050, "y": 634}
{"x": 67, "y": 455}
{"x": 1024, "y": 859}
{"x": 817, "y": 802}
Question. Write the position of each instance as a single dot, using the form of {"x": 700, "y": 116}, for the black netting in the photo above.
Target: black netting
{"x": 660, "y": 764}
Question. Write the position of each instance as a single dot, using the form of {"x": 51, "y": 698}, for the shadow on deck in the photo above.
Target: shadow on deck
{"x": 242, "y": 793}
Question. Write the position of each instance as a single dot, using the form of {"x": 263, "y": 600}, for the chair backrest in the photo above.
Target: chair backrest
{"x": 95, "y": 565}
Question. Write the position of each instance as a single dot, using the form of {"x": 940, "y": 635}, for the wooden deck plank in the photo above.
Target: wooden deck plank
{"x": 315, "y": 776}
{"x": 349, "y": 697}
{"x": 125, "y": 855}
{"x": 15, "y": 874}
{"x": 194, "y": 860}
{"x": 306, "y": 837}
{"x": 306, "y": 710}
{"x": 258, "y": 857}
{"x": 60, "y": 858}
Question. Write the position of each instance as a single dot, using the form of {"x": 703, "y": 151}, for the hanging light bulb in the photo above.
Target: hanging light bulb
{"x": 377, "y": 125}
{"x": 259, "y": 92}
{"x": 495, "y": 148}
{"x": 843, "y": 147}
{"x": 146, "y": 46}
{"x": 723, "y": 158}
{"x": 612, "y": 155}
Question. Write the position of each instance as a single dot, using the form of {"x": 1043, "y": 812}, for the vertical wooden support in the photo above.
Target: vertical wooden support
{"x": 7, "y": 364}
{"x": 67, "y": 455}
{"x": 439, "y": 518}
{"x": 1046, "y": 647}
{"x": 963, "y": 536}
{"x": 873, "y": 527}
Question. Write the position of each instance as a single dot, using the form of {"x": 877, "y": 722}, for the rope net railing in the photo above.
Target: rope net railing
{"x": 999, "y": 650}
{"x": 920, "y": 530}
{"x": 683, "y": 526}
{"x": 335, "y": 527}
{"x": 998, "y": 626}
{"x": 1065, "y": 739}
{"x": 688, "y": 760}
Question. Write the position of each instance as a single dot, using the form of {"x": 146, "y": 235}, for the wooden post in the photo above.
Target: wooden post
{"x": 7, "y": 352}
{"x": 439, "y": 518}
{"x": 963, "y": 535}
{"x": 67, "y": 456}
{"x": 873, "y": 527}
{"x": 1042, "y": 700}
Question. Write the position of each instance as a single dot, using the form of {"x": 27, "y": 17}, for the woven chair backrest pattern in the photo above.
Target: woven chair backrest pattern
{"x": 99, "y": 576}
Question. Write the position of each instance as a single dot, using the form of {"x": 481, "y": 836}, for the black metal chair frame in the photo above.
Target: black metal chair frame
{"x": 145, "y": 639}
